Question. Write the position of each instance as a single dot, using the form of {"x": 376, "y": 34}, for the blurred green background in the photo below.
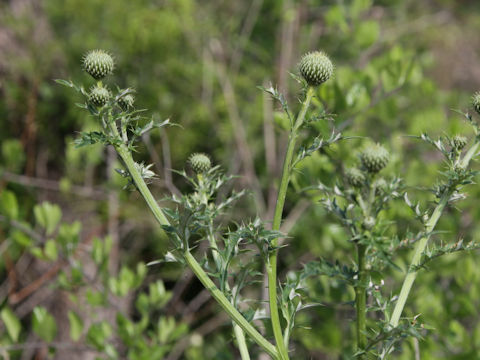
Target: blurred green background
{"x": 401, "y": 66}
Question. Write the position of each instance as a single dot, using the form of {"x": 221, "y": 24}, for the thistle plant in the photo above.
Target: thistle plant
{"x": 358, "y": 201}
{"x": 196, "y": 225}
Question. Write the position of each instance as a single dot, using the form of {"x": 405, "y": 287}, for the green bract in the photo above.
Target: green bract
{"x": 374, "y": 158}
{"x": 476, "y": 101}
{"x": 98, "y": 96}
{"x": 459, "y": 142}
{"x": 368, "y": 223}
{"x": 316, "y": 68}
{"x": 355, "y": 177}
{"x": 126, "y": 102}
{"x": 98, "y": 64}
{"x": 200, "y": 163}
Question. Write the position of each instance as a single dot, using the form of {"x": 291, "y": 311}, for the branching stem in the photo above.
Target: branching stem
{"x": 277, "y": 220}
{"x": 234, "y": 314}
{"x": 361, "y": 298}
{"x": 422, "y": 243}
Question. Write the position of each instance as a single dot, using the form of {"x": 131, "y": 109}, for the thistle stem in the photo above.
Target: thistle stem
{"x": 361, "y": 299}
{"x": 277, "y": 219}
{"x": 233, "y": 313}
{"x": 422, "y": 243}
{"x": 237, "y": 330}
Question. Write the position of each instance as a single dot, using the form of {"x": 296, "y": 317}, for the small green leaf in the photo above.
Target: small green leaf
{"x": 50, "y": 250}
{"x": 64, "y": 82}
{"x": 8, "y": 204}
{"x": 21, "y": 238}
{"x": 76, "y": 325}
{"x": 37, "y": 252}
{"x": 98, "y": 334}
{"x": 44, "y": 324}
{"x": 95, "y": 298}
{"x": 47, "y": 216}
{"x": 11, "y": 323}
{"x": 97, "y": 251}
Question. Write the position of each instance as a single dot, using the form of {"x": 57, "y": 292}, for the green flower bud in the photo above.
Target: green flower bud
{"x": 459, "y": 142}
{"x": 126, "y": 102}
{"x": 98, "y": 96}
{"x": 380, "y": 186}
{"x": 200, "y": 163}
{"x": 355, "y": 177}
{"x": 98, "y": 64}
{"x": 316, "y": 68}
{"x": 374, "y": 158}
{"x": 476, "y": 102}
{"x": 368, "y": 223}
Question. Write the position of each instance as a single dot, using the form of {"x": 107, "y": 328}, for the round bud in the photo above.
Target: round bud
{"x": 368, "y": 223}
{"x": 380, "y": 186}
{"x": 459, "y": 142}
{"x": 476, "y": 102}
{"x": 315, "y": 68}
{"x": 200, "y": 163}
{"x": 355, "y": 177}
{"x": 98, "y": 96}
{"x": 374, "y": 158}
{"x": 98, "y": 64}
{"x": 126, "y": 102}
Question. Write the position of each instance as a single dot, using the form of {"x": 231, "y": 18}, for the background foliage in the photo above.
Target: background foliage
{"x": 74, "y": 283}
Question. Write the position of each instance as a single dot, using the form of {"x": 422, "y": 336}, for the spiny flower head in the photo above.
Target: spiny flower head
{"x": 355, "y": 177}
{"x": 98, "y": 96}
{"x": 315, "y": 68}
{"x": 374, "y": 158}
{"x": 476, "y": 102}
{"x": 200, "y": 163}
{"x": 126, "y": 102}
{"x": 380, "y": 186}
{"x": 459, "y": 142}
{"x": 98, "y": 64}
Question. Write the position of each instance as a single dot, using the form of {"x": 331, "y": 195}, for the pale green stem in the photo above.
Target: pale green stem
{"x": 190, "y": 260}
{"x": 361, "y": 299}
{"x": 277, "y": 220}
{"x": 242, "y": 343}
{"x": 227, "y": 306}
{"x": 361, "y": 287}
{"x": 237, "y": 330}
{"x": 422, "y": 243}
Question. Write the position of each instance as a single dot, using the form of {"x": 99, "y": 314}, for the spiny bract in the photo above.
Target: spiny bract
{"x": 476, "y": 101}
{"x": 355, "y": 177}
{"x": 98, "y": 96}
{"x": 459, "y": 142}
{"x": 98, "y": 64}
{"x": 126, "y": 102}
{"x": 374, "y": 158}
{"x": 316, "y": 68}
{"x": 200, "y": 163}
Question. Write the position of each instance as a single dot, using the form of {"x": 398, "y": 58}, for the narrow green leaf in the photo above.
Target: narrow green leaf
{"x": 48, "y": 216}
{"x": 8, "y": 204}
{"x": 50, "y": 250}
{"x": 76, "y": 325}
{"x": 11, "y": 323}
{"x": 44, "y": 324}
